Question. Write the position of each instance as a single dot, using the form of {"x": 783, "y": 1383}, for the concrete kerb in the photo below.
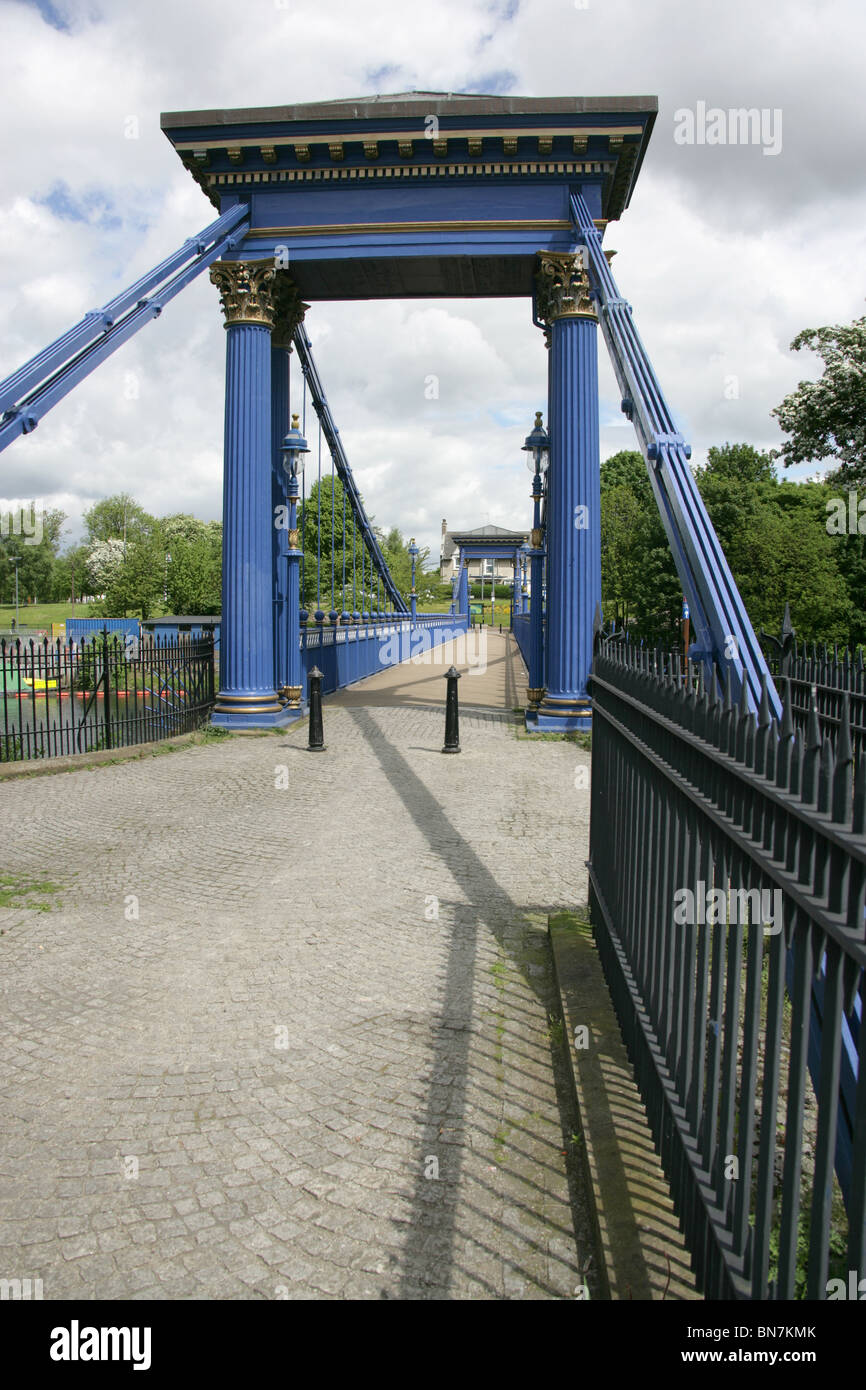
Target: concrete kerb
{"x": 637, "y": 1231}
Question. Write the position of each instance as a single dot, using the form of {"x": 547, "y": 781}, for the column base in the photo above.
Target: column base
{"x": 251, "y": 712}
{"x": 560, "y": 716}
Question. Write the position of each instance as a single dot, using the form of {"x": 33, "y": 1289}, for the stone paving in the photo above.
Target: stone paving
{"x": 291, "y": 1031}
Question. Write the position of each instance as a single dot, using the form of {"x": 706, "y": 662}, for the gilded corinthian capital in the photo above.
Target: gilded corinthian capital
{"x": 562, "y": 287}
{"x": 289, "y": 310}
{"x": 246, "y": 291}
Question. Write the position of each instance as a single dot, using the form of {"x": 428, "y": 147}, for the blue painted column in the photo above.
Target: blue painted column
{"x": 573, "y": 532}
{"x": 247, "y": 696}
{"x": 280, "y": 504}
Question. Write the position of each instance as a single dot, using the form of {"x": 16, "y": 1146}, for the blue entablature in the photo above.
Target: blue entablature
{"x": 487, "y": 135}
{"x": 422, "y": 194}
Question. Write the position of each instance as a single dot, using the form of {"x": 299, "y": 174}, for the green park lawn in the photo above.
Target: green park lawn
{"x": 43, "y": 614}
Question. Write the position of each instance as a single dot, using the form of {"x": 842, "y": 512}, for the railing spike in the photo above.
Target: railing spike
{"x": 787, "y": 729}
{"x": 826, "y": 776}
{"x": 842, "y": 780}
{"x": 764, "y": 711}
{"x": 858, "y": 818}
{"x": 813, "y": 727}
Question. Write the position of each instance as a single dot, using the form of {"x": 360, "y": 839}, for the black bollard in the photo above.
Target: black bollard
{"x": 316, "y": 742}
{"x": 452, "y": 723}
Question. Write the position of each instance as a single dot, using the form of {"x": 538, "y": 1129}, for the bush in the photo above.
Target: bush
{"x": 501, "y": 590}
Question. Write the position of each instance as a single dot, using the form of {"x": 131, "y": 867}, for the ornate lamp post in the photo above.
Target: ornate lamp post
{"x": 413, "y": 597}
{"x": 537, "y": 446}
{"x": 294, "y": 445}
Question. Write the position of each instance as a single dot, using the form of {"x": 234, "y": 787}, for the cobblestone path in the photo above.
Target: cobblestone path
{"x": 286, "y": 1031}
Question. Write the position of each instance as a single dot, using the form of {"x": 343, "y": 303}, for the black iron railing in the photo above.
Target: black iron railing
{"x": 109, "y": 692}
{"x": 822, "y": 676}
{"x": 727, "y": 887}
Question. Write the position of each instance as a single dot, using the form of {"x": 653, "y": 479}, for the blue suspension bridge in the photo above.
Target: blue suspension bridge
{"x": 707, "y": 773}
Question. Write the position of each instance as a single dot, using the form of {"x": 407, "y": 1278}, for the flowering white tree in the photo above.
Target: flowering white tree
{"x": 104, "y": 563}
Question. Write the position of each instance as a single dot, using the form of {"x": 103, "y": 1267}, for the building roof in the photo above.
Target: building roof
{"x": 488, "y": 532}
{"x": 170, "y": 619}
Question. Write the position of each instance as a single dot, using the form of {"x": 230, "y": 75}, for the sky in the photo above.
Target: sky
{"x": 725, "y": 253}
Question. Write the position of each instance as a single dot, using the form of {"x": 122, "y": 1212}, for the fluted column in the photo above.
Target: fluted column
{"x": 280, "y": 510}
{"x": 573, "y": 531}
{"x": 247, "y": 696}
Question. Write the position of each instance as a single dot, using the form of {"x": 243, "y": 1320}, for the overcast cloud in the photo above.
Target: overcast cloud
{"x": 725, "y": 253}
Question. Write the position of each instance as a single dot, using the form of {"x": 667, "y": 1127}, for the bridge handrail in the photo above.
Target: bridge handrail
{"x": 728, "y": 803}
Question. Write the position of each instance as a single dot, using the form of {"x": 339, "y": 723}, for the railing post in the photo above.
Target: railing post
{"x": 107, "y": 681}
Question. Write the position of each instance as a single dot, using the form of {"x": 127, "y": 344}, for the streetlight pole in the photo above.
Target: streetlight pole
{"x": 291, "y": 680}
{"x": 16, "y": 562}
{"x": 413, "y": 597}
{"x": 537, "y": 445}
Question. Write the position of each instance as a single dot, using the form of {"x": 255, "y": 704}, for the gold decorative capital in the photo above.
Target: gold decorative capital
{"x": 535, "y": 538}
{"x": 289, "y": 310}
{"x": 293, "y": 540}
{"x": 562, "y": 287}
{"x": 246, "y": 291}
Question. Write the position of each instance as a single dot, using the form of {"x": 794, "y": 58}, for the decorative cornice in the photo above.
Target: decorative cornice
{"x": 214, "y": 182}
{"x": 562, "y": 287}
{"x": 246, "y": 291}
{"x": 289, "y": 310}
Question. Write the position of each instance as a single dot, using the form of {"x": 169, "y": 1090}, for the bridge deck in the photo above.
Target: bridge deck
{"x": 492, "y": 676}
{"x": 330, "y": 990}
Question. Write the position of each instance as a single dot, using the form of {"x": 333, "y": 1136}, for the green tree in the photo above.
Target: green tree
{"x": 36, "y": 553}
{"x": 194, "y": 573}
{"x": 117, "y": 518}
{"x": 826, "y": 419}
{"x": 134, "y": 587}
{"x": 775, "y": 540}
{"x": 70, "y": 574}
{"x": 639, "y": 581}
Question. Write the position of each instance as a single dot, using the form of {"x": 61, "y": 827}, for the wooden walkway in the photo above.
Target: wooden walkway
{"x": 492, "y": 672}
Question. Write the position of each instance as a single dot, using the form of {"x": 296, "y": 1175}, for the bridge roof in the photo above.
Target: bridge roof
{"x": 416, "y": 193}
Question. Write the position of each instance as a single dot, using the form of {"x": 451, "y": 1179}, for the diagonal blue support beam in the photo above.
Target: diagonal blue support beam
{"x": 29, "y": 393}
{"x": 724, "y": 635}
{"x": 332, "y": 436}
